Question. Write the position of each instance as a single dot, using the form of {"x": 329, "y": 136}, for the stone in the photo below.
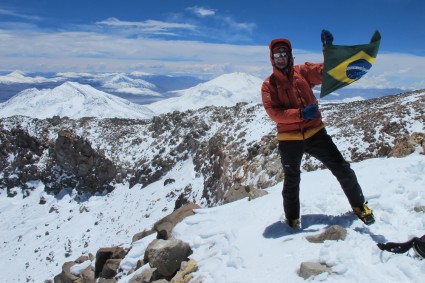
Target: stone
{"x": 167, "y": 255}
{"x": 142, "y": 234}
{"x": 256, "y": 193}
{"x": 104, "y": 254}
{"x": 165, "y": 226}
{"x": 308, "y": 269}
{"x": 184, "y": 274}
{"x": 146, "y": 276}
{"x": 419, "y": 208}
{"x": 334, "y": 233}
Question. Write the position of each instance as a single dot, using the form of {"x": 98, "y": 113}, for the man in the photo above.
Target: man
{"x": 289, "y": 101}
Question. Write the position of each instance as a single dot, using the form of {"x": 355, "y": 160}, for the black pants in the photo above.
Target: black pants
{"x": 321, "y": 147}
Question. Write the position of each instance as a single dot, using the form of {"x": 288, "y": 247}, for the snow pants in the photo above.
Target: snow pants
{"x": 323, "y": 148}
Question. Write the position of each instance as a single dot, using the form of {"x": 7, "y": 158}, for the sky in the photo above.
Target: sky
{"x": 206, "y": 38}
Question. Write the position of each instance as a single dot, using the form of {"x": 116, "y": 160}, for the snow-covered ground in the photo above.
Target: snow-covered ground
{"x": 244, "y": 241}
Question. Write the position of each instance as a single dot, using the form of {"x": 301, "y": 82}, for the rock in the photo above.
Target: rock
{"x": 42, "y": 200}
{"x": 165, "y": 226}
{"x": 167, "y": 255}
{"x": 104, "y": 254}
{"x": 256, "y": 193}
{"x": 419, "y": 208}
{"x": 308, "y": 269}
{"x": 145, "y": 277}
{"x": 419, "y": 139}
{"x": 87, "y": 276}
{"x": 334, "y": 233}
{"x": 184, "y": 274}
{"x": 93, "y": 172}
{"x": 110, "y": 268}
{"x": 236, "y": 192}
{"x": 66, "y": 276}
{"x": 403, "y": 147}
{"x": 142, "y": 234}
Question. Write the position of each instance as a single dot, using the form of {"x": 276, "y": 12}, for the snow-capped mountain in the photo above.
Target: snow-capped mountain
{"x": 225, "y": 90}
{"x": 18, "y": 77}
{"x": 73, "y": 100}
{"x": 124, "y": 84}
{"x": 201, "y": 156}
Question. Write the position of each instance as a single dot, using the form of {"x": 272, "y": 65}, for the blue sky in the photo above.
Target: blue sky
{"x": 206, "y": 38}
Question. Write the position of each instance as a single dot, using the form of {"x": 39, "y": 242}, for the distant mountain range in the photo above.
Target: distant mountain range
{"x": 226, "y": 90}
{"x": 140, "y": 88}
{"x": 145, "y": 88}
{"x": 76, "y": 100}
{"x": 72, "y": 100}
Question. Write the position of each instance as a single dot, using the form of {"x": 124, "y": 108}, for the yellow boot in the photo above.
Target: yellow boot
{"x": 364, "y": 213}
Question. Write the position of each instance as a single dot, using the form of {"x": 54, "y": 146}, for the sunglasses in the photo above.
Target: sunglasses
{"x": 279, "y": 54}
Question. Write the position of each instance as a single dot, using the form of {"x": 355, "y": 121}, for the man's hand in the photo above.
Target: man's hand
{"x": 310, "y": 112}
{"x": 326, "y": 37}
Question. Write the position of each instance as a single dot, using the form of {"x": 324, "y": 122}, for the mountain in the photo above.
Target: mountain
{"x": 123, "y": 84}
{"x": 145, "y": 88}
{"x": 71, "y": 186}
{"x": 225, "y": 90}
{"x": 18, "y": 77}
{"x": 137, "y": 87}
{"x": 73, "y": 100}
{"x": 348, "y": 93}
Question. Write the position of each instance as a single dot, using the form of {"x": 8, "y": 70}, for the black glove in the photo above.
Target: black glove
{"x": 326, "y": 37}
{"x": 310, "y": 112}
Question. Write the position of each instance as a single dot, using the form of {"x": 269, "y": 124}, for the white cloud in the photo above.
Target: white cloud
{"x": 36, "y": 51}
{"x": 148, "y": 26}
{"x": 11, "y": 13}
{"x": 201, "y": 12}
{"x": 234, "y": 25}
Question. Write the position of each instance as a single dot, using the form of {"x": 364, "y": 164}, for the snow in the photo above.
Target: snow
{"x": 246, "y": 241}
{"x": 225, "y": 90}
{"x": 243, "y": 241}
{"x": 124, "y": 84}
{"x": 18, "y": 77}
{"x": 73, "y": 100}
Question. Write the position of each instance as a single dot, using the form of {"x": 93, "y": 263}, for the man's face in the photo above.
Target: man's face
{"x": 280, "y": 57}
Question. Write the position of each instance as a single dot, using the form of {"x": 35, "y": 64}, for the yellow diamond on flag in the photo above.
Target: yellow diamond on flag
{"x": 353, "y": 68}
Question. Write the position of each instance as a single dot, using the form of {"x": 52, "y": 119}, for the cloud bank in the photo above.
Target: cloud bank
{"x": 207, "y": 44}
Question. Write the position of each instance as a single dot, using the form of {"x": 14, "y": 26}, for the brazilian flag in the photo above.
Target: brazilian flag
{"x": 346, "y": 64}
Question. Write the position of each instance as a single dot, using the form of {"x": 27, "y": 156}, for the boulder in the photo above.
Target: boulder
{"x": 256, "y": 193}
{"x": 66, "y": 276}
{"x": 165, "y": 226}
{"x": 334, "y": 233}
{"x": 308, "y": 269}
{"x": 142, "y": 234}
{"x": 103, "y": 256}
{"x": 167, "y": 255}
{"x": 147, "y": 275}
{"x": 185, "y": 273}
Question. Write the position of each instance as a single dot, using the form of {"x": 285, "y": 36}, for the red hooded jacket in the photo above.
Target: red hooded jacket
{"x": 285, "y": 93}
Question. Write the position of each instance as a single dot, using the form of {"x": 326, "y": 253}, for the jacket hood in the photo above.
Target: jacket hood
{"x": 287, "y": 44}
{"x": 289, "y": 69}
{"x": 279, "y": 41}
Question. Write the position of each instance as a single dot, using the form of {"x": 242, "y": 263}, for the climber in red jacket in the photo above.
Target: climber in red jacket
{"x": 289, "y": 101}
